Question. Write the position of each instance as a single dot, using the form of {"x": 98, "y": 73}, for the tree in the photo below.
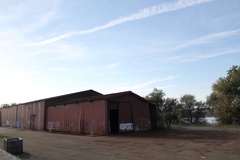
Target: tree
{"x": 171, "y": 110}
{"x": 198, "y": 113}
{"x": 8, "y": 105}
{"x": 157, "y": 98}
{"x": 225, "y": 98}
{"x": 188, "y": 103}
{"x": 5, "y": 105}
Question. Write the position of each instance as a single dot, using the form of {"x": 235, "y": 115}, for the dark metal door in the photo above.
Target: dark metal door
{"x": 114, "y": 124}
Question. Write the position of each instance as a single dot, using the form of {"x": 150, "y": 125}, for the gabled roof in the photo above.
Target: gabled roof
{"x": 83, "y": 96}
{"x": 68, "y": 97}
{"x": 103, "y": 97}
{"x": 65, "y": 97}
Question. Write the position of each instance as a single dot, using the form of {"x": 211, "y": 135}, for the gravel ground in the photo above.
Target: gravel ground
{"x": 177, "y": 143}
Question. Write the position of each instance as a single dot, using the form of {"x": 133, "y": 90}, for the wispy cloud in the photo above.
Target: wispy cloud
{"x": 141, "y": 86}
{"x": 64, "y": 52}
{"x": 205, "y": 56}
{"x": 88, "y": 69}
{"x": 191, "y": 57}
{"x": 207, "y": 39}
{"x": 168, "y": 78}
{"x": 19, "y": 19}
{"x": 28, "y": 16}
{"x": 144, "y": 13}
{"x": 167, "y": 86}
{"x": 148, "y": 90}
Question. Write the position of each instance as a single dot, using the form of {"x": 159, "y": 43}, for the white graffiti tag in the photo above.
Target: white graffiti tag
{"x": 126, "y": 127}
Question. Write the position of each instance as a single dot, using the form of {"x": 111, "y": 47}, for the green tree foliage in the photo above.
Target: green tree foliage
{"x": 198, "y": 113}
{"x": 167, "y": 109}
{"x": 8, "y": 105}
{"x": 192, "y": 111}
{"x": 225, "y": 98}
{"x": 5, "y": 105}
{"x": 171, "y": 110}
{"x": 187, "y": 103}
{"x": 157, "y": 98}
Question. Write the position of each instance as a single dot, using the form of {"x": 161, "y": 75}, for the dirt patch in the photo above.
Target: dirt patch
{"x": 191, "y": 136}
{"x": 177, "y": 143}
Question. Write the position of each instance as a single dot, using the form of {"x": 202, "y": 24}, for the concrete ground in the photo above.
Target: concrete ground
{"x": 6, "y": 156}
{"x": 183, "y": 143}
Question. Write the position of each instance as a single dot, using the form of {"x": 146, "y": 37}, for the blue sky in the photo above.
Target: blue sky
{"x": 50, "y": 48}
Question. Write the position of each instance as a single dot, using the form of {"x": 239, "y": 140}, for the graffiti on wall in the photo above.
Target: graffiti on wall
{"x": 17, "y": 124}
{"x": 5, "y": 123}
{"x": 54, "y": 125}
{"x": 70, "y": 124}
{"x": 126, "y": 127}
{"x": 142, "y": 124}
{"x": 92, "y": 127}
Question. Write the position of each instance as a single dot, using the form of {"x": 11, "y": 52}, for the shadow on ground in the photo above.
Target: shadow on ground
{"x": 25, "y": 155}
{"x": 185, "y": 134}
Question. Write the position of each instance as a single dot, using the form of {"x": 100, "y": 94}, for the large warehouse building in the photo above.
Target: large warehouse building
{"x": 86, "y": 112}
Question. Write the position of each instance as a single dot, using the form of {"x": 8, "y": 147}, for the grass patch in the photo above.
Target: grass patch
{"x": 2, "y": 136}
{"x": 227, "y": 126}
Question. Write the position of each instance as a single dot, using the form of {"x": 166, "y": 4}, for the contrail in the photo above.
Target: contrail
{"x": 146, "y": 12}
{"x": 208, "y": 38}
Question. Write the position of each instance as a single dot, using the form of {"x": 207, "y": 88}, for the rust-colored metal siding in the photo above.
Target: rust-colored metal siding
{"x": 134, "y": 110}
{"x": 27, "y": 116}
{"x": 8, "y": 116}
{"x": 141, "y": 117}
{"x": 125, "y": 112}
{"x": 100, "y": 114}
{"x": 82, "y": 117}
{"x": 31, "y": 116}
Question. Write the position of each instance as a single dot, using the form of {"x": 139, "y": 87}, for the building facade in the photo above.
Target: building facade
{"x": 87, "y": 112}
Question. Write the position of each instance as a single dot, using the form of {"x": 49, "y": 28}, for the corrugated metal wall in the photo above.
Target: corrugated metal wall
{"x": 83, "y": 117}
{"x": 31, "y": 116}
{"x": 27, "y": 116}
{"x": 8, "y": 116}
{"x": 133, "y": 111}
